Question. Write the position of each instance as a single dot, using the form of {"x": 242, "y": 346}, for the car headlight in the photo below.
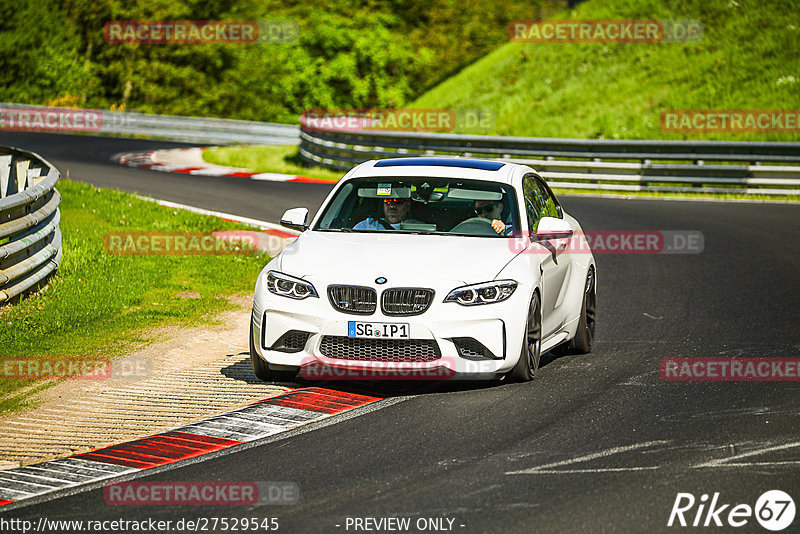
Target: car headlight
{"x": 485, "y": 293}
{"x": 289, "y": 286}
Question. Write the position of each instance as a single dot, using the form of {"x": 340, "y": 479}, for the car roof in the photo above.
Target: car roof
{"x": 484, "y": 165}
{"x": 454, "y": 167}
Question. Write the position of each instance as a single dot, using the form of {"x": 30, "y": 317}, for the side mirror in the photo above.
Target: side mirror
{"x": 295, "y": 219}
{"x": 552, "y": 228}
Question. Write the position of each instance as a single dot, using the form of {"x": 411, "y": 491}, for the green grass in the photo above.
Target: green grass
{"x": 749, "y": 59}
{"x": 99, "y": 304}
{"x": 281, "y": 159}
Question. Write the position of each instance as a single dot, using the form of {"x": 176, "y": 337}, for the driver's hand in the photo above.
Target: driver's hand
{"x": 499, "y": 226}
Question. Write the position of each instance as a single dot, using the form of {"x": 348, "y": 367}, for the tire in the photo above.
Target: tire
{"x": 531, "y": 352}
{"x": 583, "y": 341}
{"x": 262, "y": 370}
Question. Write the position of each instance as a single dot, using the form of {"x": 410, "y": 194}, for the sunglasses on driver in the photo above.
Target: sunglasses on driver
{"x": 391, "y": 201}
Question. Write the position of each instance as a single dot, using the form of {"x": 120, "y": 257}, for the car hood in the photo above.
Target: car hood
{"x": 359, "y": 258}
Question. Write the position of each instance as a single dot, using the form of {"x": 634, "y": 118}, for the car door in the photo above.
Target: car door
{"x": 554, "y": 265}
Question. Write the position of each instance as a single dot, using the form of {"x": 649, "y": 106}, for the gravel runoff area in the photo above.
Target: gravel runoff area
{"x": 193, "y": 373}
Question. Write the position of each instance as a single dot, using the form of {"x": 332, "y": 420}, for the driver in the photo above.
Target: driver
{"x": 491, "y": 209}
{"x": 395, "y": 211}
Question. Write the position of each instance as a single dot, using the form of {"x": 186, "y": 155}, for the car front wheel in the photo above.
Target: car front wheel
{"x": 530, "y": 355}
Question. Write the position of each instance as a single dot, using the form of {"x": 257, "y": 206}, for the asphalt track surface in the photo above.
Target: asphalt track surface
{"x": 596, "y": 443}
{"x": 88, "y": 159}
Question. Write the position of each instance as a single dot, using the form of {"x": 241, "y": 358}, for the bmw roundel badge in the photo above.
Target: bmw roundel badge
{"x": 380, "y": 280}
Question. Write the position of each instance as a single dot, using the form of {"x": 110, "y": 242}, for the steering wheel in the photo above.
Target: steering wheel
{"x": 475, "y": 225}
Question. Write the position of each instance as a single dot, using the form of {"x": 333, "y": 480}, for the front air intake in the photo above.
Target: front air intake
{"x": 471, "y": 349}
{"x": 380, "y": 350}
{"x": 291, "y": 341}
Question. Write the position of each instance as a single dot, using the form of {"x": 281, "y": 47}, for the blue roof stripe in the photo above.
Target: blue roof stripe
{"x": 442, "y": 162}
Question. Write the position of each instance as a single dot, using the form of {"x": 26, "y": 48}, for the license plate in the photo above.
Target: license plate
{"x": 378, "y": 330}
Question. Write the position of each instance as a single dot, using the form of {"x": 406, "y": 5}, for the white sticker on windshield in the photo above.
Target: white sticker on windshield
{"x": 384, "y": 190}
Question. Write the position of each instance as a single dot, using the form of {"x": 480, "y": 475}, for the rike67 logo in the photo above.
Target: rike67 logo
{"x": 774, "y": 510}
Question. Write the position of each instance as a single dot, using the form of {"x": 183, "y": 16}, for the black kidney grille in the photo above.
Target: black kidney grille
{"x": 406, "y": 300}
{"x": 353, "y": 299}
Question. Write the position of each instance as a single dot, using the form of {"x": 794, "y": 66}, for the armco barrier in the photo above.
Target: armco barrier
{"x": 616, "y": 165}
{"x": 188, "y": 129}
{"x": 668, "y": 166}
{"x": 30, "y": 240}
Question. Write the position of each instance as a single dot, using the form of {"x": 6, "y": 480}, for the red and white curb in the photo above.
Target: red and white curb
{"x": 190, "y": 161}
{"x": 259, "y": 420}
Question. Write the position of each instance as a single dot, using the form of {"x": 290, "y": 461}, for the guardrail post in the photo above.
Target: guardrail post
{"x": 21, "y": 169}
{"x": 34, "y": 176}
{"x": 5, "y": 172}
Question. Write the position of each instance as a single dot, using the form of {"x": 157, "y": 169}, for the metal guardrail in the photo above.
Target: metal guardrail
{"x": 187, "y": 129}
{"x": 30, "y": 240}
{"x": 668, "y": 166}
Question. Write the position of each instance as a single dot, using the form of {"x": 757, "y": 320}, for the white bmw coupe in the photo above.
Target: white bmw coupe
{"x": 421, "y": 267}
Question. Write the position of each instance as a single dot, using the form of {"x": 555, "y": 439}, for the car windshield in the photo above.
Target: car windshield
{"x": 418, "y": 205}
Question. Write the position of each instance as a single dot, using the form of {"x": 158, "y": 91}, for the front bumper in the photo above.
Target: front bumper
{"x": 446, "y": 341}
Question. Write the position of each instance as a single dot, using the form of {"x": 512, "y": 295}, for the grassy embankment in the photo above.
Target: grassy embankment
{"x": 749, "y": 58}
{"x": 100, "y": 305}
